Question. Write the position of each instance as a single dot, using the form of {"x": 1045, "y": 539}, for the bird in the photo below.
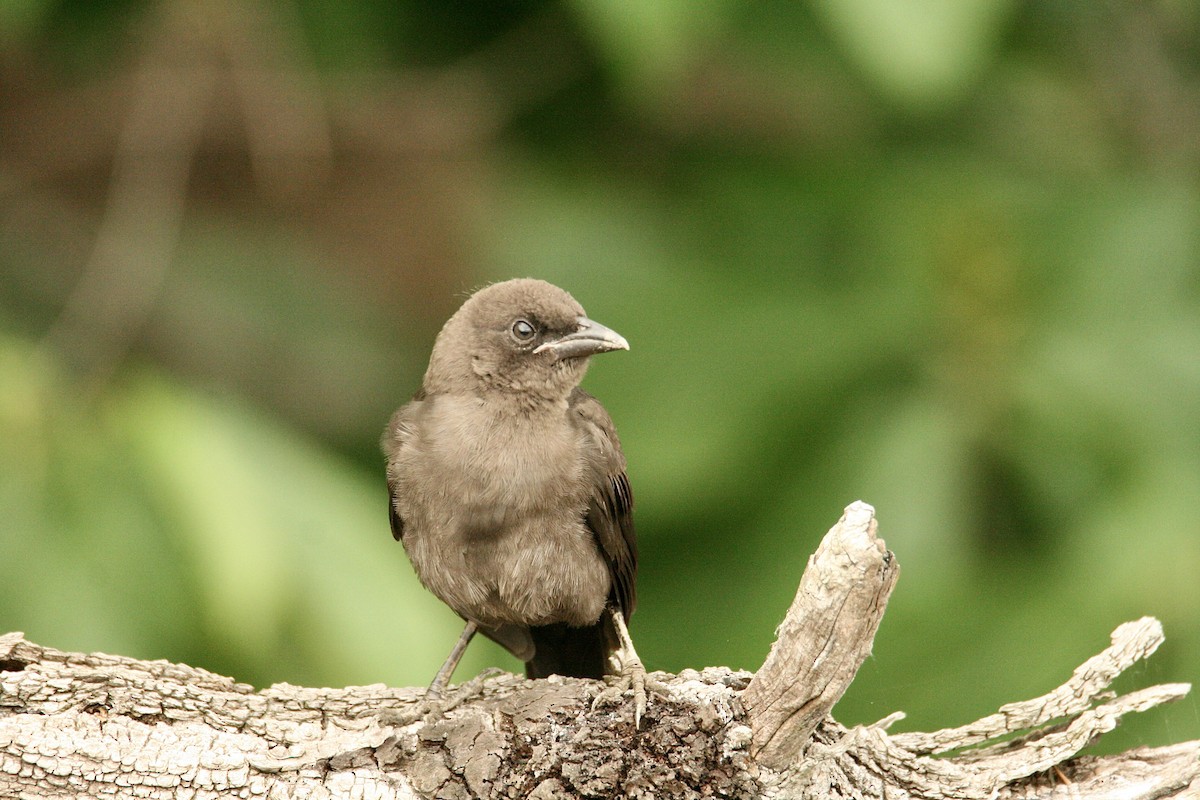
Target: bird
{"x": 508, "y": 489}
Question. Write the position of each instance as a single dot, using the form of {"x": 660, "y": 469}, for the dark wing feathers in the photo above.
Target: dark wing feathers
{"x": 395, "y": 436}
{"x": 610, "y": 509}
{"x": 393, "y": 517}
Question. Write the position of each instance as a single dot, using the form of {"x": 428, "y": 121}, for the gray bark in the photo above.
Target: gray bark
{"x": 97, "y": 725}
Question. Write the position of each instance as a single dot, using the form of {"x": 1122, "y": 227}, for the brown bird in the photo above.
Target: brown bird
{"x": 508, "y": 488}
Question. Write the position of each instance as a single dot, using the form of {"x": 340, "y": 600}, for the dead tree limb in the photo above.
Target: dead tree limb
{"x": 823, "y": 640}
{"x": 99, "y": 725}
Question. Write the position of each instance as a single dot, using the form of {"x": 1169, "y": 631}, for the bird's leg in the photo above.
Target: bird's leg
{"x": 632, "y": 675}
{"x": 432, "y": 702}
{"x": 434, "y": 692}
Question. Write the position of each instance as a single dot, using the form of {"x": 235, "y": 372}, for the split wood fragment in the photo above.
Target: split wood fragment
{"x": 824, "y": 639}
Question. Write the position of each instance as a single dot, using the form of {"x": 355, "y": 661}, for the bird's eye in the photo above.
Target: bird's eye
{"x": 523, "y": 329}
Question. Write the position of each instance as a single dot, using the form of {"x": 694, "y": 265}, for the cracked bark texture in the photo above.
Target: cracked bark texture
{"x": 98, "y": 725}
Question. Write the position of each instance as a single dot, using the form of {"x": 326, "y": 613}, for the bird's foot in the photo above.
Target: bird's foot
{"x": 434, "y": 705}
{"x": 632, "y": 679}
{"x": 471, "y": 689}
{"x": 424, "y": 711}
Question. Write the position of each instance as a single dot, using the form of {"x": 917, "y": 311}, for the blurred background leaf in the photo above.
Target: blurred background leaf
{"x": 943, "y": 257}
{"x": 918, "y": 53}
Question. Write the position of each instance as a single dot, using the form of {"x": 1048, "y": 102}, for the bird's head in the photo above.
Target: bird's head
{"x": 522, "y": 336}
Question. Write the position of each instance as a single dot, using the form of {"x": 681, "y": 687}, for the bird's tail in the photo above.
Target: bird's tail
{"x": 561, "y": 649}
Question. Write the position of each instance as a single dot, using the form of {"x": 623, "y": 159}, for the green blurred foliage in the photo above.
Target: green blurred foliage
{"x": 941, "y": 257}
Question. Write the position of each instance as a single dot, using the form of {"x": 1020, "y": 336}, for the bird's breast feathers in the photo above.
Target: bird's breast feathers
{"x": 518, "y": 467}
{"x": 506, "y": 504}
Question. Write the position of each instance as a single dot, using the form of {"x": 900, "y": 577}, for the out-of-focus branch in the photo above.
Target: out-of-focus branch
{"x": 146, "y": 198}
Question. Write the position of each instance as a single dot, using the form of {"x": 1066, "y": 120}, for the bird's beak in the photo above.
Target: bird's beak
{"x": 586, "y": 340}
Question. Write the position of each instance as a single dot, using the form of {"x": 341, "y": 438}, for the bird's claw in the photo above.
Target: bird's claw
{"x": 633, "y": 679}
{"x": 425, "y": 711}
{"x": 434, "y": 705}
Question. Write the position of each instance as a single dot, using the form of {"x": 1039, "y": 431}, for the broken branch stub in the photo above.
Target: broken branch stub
{"x": 1023, "y": 751}
{"x": 824, "y": 639}
{"x": 1131, "y": 642}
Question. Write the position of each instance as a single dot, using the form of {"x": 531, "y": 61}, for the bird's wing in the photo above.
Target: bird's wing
{"x": 396, "y": 436}
{"x": 610, "y": 508}
{"x": 515, "y": 638}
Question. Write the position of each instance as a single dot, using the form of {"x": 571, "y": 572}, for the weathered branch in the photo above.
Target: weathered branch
{"x": 824, "y": 639}
{"x": 74, "y": 724}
